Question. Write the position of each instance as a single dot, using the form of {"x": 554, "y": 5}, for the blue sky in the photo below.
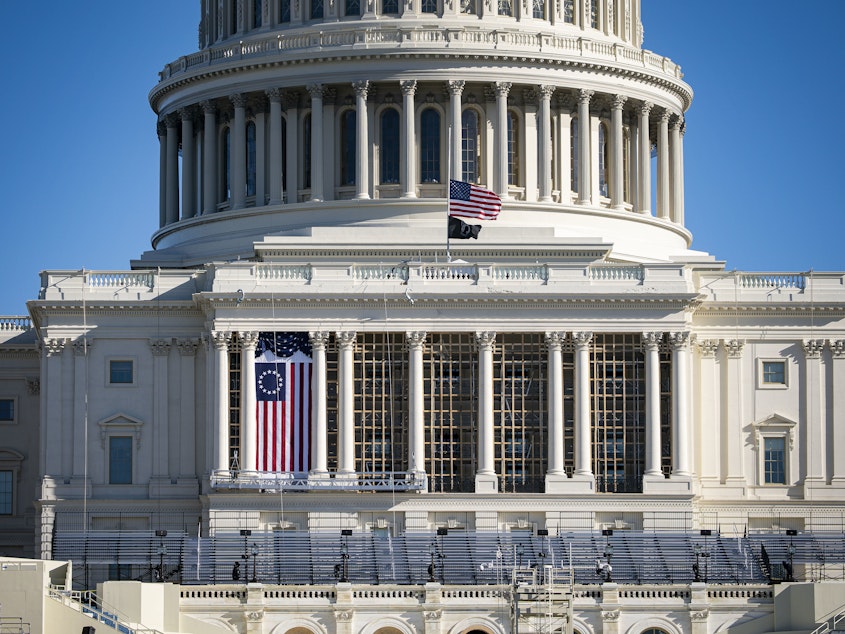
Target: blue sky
{"x": 79, "y": 171}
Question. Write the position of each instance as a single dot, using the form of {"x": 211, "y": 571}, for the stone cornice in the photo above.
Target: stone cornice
{"x": 830, "y": 309}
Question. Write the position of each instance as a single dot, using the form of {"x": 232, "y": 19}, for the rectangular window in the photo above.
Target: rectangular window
{"x": 429, "y": 6}
{"x": 120, "y": 460}
{"x": 6, "y": 482}
{"x": 353, "y": 7}
{"x": 774, "y": 460}
{"x": 7, "y": 410}
{"x": 774, "y": 372}
{"x": 121, "y": 372}
{"x": 284, "y": 10}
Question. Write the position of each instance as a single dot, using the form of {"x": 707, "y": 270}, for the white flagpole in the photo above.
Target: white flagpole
{"x": 448, "y": 190}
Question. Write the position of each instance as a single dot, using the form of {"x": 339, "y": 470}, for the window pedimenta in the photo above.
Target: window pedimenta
{"x": 120, "y": 424}
{"x": 775, "y": 425}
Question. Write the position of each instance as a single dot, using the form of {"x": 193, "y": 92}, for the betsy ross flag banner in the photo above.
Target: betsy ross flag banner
{"x": 470, "y": 201}
{"x": 283, "y": 401}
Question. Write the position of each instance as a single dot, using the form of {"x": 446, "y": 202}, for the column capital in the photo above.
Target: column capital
{"x": 734, "y": 347}
{"x": 455, "y": 86}
{"x": 813, "y": 348}
{"x": 645, "y": 108}
{"x": 160, "y": 347}
{"x": 187, "y": 347}
{"x": 249, "y": 339}
{"x": 679, "y": 340}
{"x": 172, "y": 120}
{"x": 707, "y": 347}
{"x": 187, "y": 113}
{"x": 346, "y": 338}
{"x": 485, "y": 339}
{"x": 677, "y": 122}
{"x": 55, "y": 345}
{"x": 319, "y": 339}
{"x": 837, "y": 348}
{"x": 415, "y": 339}
{"x": 220, "y": 339}
{"x": 618, "y": 102}
{"x": 582, "y": 339}
{"x": 275, "y": 95}
{"x": 502, "y": 88}
{"x": 409, "y": 86}
{"x": 546, "y": 91}
{"x": 585, "y": 95}
{"x": 555, "y": 340}
{"x": 651, "y": 340}
{"x": 361, "y": 87}
{"x": 238, "y": 100}
{"x": 208, "y": 107}
{"x": 80, "y": 347}
{"x": 664, "y": 116}
{"x": 315, "y": 90}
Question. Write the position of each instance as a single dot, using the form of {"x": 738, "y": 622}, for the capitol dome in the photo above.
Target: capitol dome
{"x": 410, "y": 94}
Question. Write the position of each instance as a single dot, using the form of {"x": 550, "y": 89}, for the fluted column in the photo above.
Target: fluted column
{"x": 172, "y": 186}
{"x": 220, "y": 341}
{"x": 161, "y": 132}
{"x": 362, "y": 141}
{"x": 160, "y": 349}
{"x": 663, "y": 165}
{"x": 319, "y": 392}
{"x": 80, "y": 391}
{"x": 485, "y": 477}
{"x": 677, "y": 170}
{"x": 583, "y": 454}
{"x": 644, "y": 162}
{"x": 183, "y": 461}
{"x": 249, "y": 425}
{"x": 501, "y": 154}
{"x": 209, "y": 158}
{"x": 346, "y": 404}
{"x": 276, "y": 169}
{"x": 733, "y": 438}
{"x": 316, "y": 92}
{"x": 814, "y": 415}
{"x": 292, "y": 135}
{"x": 584, "y": 148}
{"x": 409, "y": 140}
{"x": 709, "y": 441}
{"x": 555, "y": 472}
{"x": 456, "y": 88}
{"x": 680, "y": 405}
{"x": 238, "y": 152}
{"x": 416, "y": 442}
{"x": 651, "y": 346}
{"x": 617, "y": 164}
{"x": 188, "y": 163}
{"x": 545, "y": 143}
{"x": 837, "y": 393}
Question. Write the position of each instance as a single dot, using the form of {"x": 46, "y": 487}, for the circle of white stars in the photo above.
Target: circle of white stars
{"x": 261, "y": 381}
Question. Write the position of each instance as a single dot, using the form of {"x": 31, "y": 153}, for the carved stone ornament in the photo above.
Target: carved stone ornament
{"x": 80, "y": 347}
{"x": 343, "y": 615}
{"x": 651, "y": 340}
{"x": 610, "y": 615}
{"x": 502, "y": 88}
{"x": 318, "y": 339}
{"x": 707, "y": 347}
{"x": 485, "y": 339}
{"x": 33, "y": 385}
{"x": 837, "y": 348}
{"x": 699, "y": 615}
{"x": 555, "y": 339}
{"x": 254, "y": 617}
{"x": 415, "y": 339}
{"x": 346, "y": 339}
{"x": 582, "y": 339}
{"x": 54, "y": 346}
{"x": 187, "y": 347}
{"x": 456, "y": 86}
{"x": 585, "y": 95}
{"x": 679, "y": 340}
{"x": 249, "y": 340}
{"x": 813, "y": 348}
{"x": 734, "y": 348}
{"x": 432, "y": 615}
{"x": 409, "y": 87}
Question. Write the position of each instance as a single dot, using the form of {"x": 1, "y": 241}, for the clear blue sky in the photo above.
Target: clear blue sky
{"x": 79, "y": 172}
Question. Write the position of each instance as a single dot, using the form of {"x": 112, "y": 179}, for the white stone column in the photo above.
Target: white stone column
{"x": 346, "y": 402}
{"x": 733, "y": 438}
{"x": 583, "y": 453}
{"x": 815, "y": 455}
{"x": 188, "y": 164}
{"x": 172, "y": 186}
{"x": 362, "y": 147}
{"x": 564, "y": 150}
{"x": 416, "y": 389}
{"x": 260, "y": 160}
{"x": 837, "y": 396}
{"x": 677, "y": 171}
{"x": 50, "y": 458}
{"x": 292, "y": 159}
{"x": 249, "y": 424}
{"x": 585, "y": 177}
{"x": 160, "y": 349}
{"x": 220, "y": 340}
{"x": 651, "y": 346}
{"x": 663, "y": 165}
{"x": 80, "y": 387}
{"x": 680, "y": 405}
{"x": 184, "y": 460}
{"x": 319, "y": 393}
{"x": 316, "y": 92}
{"x": 617, "y": 147}
{"x": 209, "y": 158}
{"x": 709, "y": 439}
{"x": 485, "y": 478}
{"x": 161, "y": 132}
{"x": 408, "y": 140}
{"x": 555, "y": 473}
{"x": 545, "y": 143}
{"x": 276, "y": 169}
{"x": 500, "y": 156}
{"x": 529, "y": 138}
{"x": 456, "y": 88}
{"x": 644, "y": 162}
{"x": 238, "y": 152}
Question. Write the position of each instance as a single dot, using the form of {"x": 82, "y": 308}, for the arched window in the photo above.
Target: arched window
{"x": 352, "y": 7}
{"x": 389, "y": 150}
{"x": 513, "y": 149}
{"x": 470, "y": 145}
{"x": 284, "y": 10}
{"x": 316, "y": 9}
{"x": 306, "y": 152}
{"x": 250, "y": 159}
{"x": 603, "y": 159}
{"x": 226, "y": 166}
{"x": 430, "y": 146}
{"x": 390, "y": 7}
{"x": 654, "y": 630}
{"x": 347, "y": 147}
{"x": 505, "y": 7}
{"x": 569, "y": 11}
{"x": 468, "y": 6}
{"x": 539, "y": 9}
{"x": 429, "y": 6}
{"x": 573, "y": 155}
{"x": 257, "y": 6}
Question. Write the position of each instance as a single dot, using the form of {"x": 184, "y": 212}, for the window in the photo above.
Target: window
{"x": 774, "y": 460}
{"x": 352, "y": 7}
{"x": 594, "y": 14}
{"x": 539, "y": 9}
{"x": 389, "y": 151}
{"x": 430, "y": 146}
{"x": 7, "y": 410}
{"x": 226, "y": 166}
{"x": 470, "y": 143}
{"x": 429, "y": 6}
{"x": 6, "y": 486}
{"x": 121, "y": 372}
{"x": 316, "y": 9}
{"x": 284, "y": 10}
{"x": 306, "y": 153}
{"x": 513, "y": 149}
{"x": 772, "y": 374}
{"x": 390, "y": 7}
{"x": 505, "y": 7}
{"x": 256, "y": 13}
{"x": 603, "y": 186}
{"x": 569, "y": 11}
{"x": 468, "y": 6}
{"x": 120, "y": 460}
{"x": 250, "y": 159}
{"x": 347, "y": 147}
{"x": 573, "y": 155}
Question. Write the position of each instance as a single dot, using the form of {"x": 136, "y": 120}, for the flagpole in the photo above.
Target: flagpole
{"x": 448, "y": 190}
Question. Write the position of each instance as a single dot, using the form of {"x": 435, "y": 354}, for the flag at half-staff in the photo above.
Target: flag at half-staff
{"x": 283, "y": 401}
{"x": 470, "y": 201}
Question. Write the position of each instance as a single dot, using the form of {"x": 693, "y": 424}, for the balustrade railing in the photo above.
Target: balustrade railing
{"x": 773, "y": 280}
{"x": 15, "y": 323}
{"x": 121, "y": 279}
{"x": 283, "y": 272}
{"x": 616, "y": 272}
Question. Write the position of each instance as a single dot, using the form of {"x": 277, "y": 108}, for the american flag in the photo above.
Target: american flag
{"x": 470, "y": 201}
{"x": 283, "y": 401}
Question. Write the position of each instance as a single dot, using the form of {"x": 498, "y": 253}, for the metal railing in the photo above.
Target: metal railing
{"x": 91, "y": 605}
{"x": 269, "y": 481}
